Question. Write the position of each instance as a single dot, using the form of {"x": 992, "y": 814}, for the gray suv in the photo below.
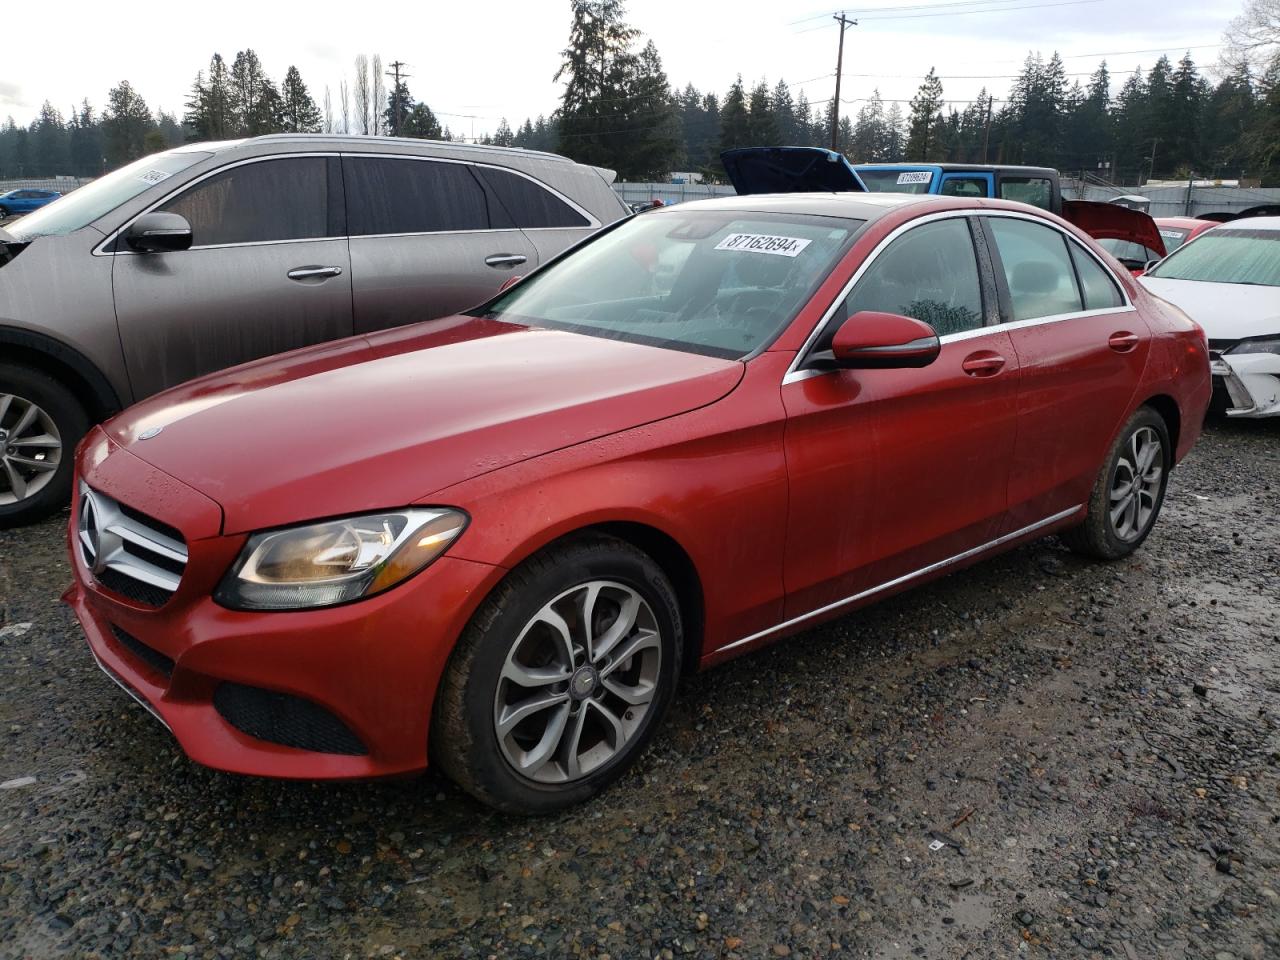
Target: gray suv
{"x": 213, "y": 254}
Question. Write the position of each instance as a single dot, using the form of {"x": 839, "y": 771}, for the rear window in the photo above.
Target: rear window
{"x": 1226, "y": 255}
{"x": 1037, "y": 191}
{"x": 391, "y": 195}
{"x": 527, "y": 205}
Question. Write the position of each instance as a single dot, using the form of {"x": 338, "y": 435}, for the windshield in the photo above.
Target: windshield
{"x": 81, "y": 207}
{"x": 1173, "y": 238}
{"x": 721, "y": 283}
{"x": 895, "y": 181}
{"x": 1224, "y": 255}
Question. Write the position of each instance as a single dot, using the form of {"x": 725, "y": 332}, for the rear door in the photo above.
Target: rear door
{"x": 1081, "y": 348}
{"x": 967, "y": 184}
{"x": 892, "y": 471}
{"x": 267, "y": 271}
{"x": 429, "y": 238}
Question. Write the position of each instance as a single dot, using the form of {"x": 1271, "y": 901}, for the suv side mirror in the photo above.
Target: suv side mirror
{"x": 870, "y": 340}
{"x": 159, "y": 233}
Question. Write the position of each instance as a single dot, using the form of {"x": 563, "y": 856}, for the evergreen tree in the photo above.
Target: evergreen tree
{"x": 255, "y": 101}
{"x": 926, "y": 115}
{"x": 895, "y": 134}
{"x": 125, "y": 124}
{"x": 210, "y": 112}
{"x": 49, "y": 142}
{"x": 1185, "y": 107}
{"x": 421, "y": 123}
{"x": 762, "y": 126}
{"x": 870, "y": 138}
{"x": 735, "y": 122}
{"x": 784, "y": 113}
{"x": 1132, "y": 130}
{"x": 597, "y": 67}
{"x": 85, "y": 143}
{"x": 503, "y": 137}
{"x": 297, "y": 109}
{"x": 803, "y": 134}
{"x": 654, "y": 119}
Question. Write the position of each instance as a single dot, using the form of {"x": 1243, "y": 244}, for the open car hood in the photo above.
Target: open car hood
{"x": 790, "y": 170}
{"x": 1110, "y": 221}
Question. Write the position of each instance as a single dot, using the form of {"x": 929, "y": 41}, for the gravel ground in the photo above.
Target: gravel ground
{"x": 1038, "y": 756}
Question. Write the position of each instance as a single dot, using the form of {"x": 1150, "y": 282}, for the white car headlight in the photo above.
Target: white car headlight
{"x": 1256, "y": 345}
{"x": 336, "y": 561}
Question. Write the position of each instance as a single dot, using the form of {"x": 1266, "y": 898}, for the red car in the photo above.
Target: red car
{"x": 496, "y": 540}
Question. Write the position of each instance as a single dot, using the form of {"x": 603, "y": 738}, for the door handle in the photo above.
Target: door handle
{"x": 1122, "y": 342}
{"x": 313, "y": 273}
{"x": 984, "y": 363}
{"x": 506, "y": 259}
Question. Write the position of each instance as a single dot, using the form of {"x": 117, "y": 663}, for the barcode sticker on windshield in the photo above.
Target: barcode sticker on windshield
{"x": 763, "y": 243}
{"x": 915, "y": 176}
{"x": 1171, "y": 234}
{"x": 154, "y": 176}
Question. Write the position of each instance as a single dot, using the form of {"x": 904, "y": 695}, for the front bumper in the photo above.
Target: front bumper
{"x": 1249, "y": 381}
{"x": 364, "y": 675}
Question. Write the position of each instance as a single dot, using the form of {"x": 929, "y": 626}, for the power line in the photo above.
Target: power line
{"x": 919, "y": 6}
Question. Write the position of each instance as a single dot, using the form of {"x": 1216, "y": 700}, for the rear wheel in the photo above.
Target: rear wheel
{"x": 1129, "y": 491}
{"x": 561, "y": 679}
{"x": 40, "y": 424}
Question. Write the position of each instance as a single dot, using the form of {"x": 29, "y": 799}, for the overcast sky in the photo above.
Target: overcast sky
{"x": 475, "y": 63}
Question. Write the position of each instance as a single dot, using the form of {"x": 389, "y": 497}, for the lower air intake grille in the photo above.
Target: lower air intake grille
{"x": 131, "y": 554}
{"x": 149, "y": 655}
{"x": 285, "y": 719}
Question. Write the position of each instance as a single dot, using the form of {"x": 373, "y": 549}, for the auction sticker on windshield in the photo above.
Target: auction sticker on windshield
{"x": 154, "y": 176}
{"x": 915, "y": 176}
{"x": 763, "y": 243}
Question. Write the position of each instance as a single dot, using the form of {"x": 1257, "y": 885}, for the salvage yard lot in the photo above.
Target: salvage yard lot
{"x": 1096, "y": 749}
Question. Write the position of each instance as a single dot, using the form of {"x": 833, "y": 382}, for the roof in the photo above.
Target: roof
{"x": 1189, "y": 223}
{"x": 964, "y": 168}
{"x": 352, "y": 140}
{"x": 853, "y": 206}
{"x": 1249, "y": 223}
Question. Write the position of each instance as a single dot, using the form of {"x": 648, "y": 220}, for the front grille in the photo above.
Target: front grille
{"x": 153, "y": 658}
{"x": 130, "y": 553}
{"x": 285, "y": 719}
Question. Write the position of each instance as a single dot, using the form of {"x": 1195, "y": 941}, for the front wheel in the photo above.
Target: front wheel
{"x": 40, "y": 424}
{"x": 1129, "y": 491}
{"x": 561, "y": 678}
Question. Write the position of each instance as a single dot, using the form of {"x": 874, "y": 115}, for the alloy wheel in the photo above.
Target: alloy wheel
{"x": 578, "y": 682}
{"x": 1135, "y": 484}
{"x": 30, "y": 449}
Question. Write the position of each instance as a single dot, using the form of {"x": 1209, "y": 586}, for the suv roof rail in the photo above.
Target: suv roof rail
{"x": 360, "y": 138}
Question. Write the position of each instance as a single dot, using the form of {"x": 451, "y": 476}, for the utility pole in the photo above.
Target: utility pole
{"x": 397, "y": 76}
{"x": 844, "y": 21}
{"x": 1152, "y": 172}
{"x": 986, "y": 133}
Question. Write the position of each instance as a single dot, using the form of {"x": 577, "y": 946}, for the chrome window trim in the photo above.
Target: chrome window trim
{"x": 905, "y": 578}
{"x": 100, "y": 250}
{"x": 795, "y": 374}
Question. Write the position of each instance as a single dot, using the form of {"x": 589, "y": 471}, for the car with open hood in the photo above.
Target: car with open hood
{"x": 494, "y": 542}
{"x": 212, "y": 254}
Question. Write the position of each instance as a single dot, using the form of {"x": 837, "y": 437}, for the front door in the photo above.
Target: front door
{"x": 428, "y": 239}
{"x": 892, "y": 471}
{"x": 1081, "y": 349}
{"x": 267, "y": 271}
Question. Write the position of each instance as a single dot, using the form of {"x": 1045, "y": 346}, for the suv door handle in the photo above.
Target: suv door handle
{"x": 313, "y": 273}
{"x": 984, "y": 363}
{"x": 506, "y": 259}
{"x": 1123, "y": 341}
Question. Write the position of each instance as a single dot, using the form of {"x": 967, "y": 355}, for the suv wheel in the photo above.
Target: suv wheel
{"x": 40, "y": 424}
{"x": 1129, "y": 491}
{"x": 561, "y": 678}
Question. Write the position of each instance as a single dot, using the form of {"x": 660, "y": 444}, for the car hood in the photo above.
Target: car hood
{"x": 1227, "y": 311}
{"x": 789, "y": 170}
{"x": 385, "y": 420}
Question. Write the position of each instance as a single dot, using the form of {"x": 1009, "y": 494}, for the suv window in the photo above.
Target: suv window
{"x": 1036, "y": 191}
{"x": 392, "y": 195}
{"x": 964, "y": 187}
{"x": 1037, "y": 268}
{"x": 929, "y": 273}
{"x": 1100, "y": 290}
{"x": 272, "y": 200}
{"x": 527, "y": 205}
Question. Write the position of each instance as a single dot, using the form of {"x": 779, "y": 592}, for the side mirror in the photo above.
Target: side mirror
{"x": 870, "y": 340}
{"x": 158, "y": 233}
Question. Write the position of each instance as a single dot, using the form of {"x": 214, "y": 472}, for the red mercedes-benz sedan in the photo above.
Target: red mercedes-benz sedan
{"x": 495, "y": 541}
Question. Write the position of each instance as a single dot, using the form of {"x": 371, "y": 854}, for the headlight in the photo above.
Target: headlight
{"x": 1256, "y": 345}
{"x": 320, "y": 564}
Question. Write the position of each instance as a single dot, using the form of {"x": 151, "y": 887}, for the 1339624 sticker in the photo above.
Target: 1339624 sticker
{"x": 764, "y": 243}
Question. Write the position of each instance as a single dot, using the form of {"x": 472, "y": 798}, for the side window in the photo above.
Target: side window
{"x": 929, "y": 273}
{"x": 527, "y": 205}
{"x": 1036, "y": 191}
{"x": 386, "y": 195}
{"x": 284, "y": 199}
{"x": 1100, "y": 290}
{"x": 964, "y": 187}
{"x": 1037, "y": 268}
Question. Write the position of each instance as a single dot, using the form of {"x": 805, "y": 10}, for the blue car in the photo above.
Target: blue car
{"x": 15, "y": 203}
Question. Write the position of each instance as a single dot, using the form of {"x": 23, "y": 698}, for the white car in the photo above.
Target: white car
{"x": 1228, "y": 281}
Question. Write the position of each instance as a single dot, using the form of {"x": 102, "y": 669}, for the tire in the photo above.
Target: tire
{"x": 507, "y": 637}
{"x": 3, "y": 213}
{"x": 56, "y": 407}
{"x": 1101, "y": 536}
